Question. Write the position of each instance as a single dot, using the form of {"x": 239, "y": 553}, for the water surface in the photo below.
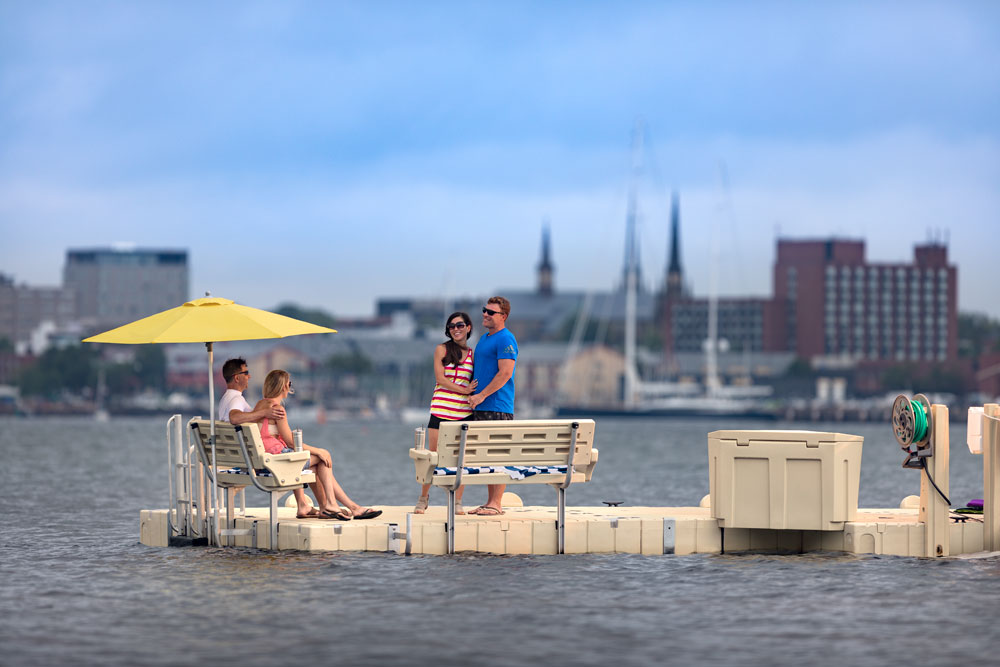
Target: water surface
{"x": 78, "y": 588}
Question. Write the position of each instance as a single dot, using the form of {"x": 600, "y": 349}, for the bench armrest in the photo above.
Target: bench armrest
{"x": 588, "y": 468}
{"x": 424, "y": 462}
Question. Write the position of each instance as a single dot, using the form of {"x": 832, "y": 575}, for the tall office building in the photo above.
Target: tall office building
{"x": 830, "y": 302}
{"x": 114, "y": 286}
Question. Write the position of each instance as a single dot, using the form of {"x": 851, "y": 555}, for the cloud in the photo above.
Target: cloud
{"x": 350, "y": 151}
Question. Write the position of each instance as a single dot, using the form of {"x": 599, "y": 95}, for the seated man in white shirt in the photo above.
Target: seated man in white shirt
{"x": 233, "y": 408}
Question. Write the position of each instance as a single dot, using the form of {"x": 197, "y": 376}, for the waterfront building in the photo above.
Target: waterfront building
{"x": 114, "y": 286}
{"x": 23, "y": 309}
{"x": 742, "y": 324}
{"x": 831, "y": 304}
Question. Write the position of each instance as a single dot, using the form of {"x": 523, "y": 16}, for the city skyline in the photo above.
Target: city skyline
{"x": 333, "y": 154}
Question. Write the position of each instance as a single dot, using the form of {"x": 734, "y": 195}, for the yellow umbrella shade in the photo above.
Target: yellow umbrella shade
{"x": 207, "y": 320}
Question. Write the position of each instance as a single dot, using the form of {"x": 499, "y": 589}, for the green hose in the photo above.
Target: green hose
{"x": 919, "y": 421}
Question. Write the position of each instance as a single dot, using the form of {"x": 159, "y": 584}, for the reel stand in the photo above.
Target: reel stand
{"x": 911, "y": 424}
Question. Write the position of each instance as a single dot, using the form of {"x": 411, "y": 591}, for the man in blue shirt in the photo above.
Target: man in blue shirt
{"x": 493, "y": 368}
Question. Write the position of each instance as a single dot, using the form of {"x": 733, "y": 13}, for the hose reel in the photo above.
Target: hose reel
{"x": 911, "y": 424}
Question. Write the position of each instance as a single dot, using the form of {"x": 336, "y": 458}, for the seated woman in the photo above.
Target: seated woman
{"x": 277, "y": 434}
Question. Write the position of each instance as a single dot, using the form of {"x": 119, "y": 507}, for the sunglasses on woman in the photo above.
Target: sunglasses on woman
{"x": 457, "y": 325}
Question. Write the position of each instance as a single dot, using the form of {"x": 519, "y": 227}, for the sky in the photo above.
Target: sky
{"x": 331, "y": 153}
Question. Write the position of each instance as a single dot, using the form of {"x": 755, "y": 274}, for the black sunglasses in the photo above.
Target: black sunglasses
{"x": 491, "y": 312}
{"x": 457, "y": 325}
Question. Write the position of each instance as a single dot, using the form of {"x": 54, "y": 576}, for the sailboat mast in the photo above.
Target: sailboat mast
{"x": 712, "y": 382}
{"x": 632, "y": 270}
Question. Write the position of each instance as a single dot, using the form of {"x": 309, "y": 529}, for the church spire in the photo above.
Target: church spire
{"x": 545, "y": 269}
{"x": 675, "y": 274}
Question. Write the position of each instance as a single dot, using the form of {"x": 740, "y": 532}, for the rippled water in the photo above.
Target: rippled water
{"x": 76, "y": 587}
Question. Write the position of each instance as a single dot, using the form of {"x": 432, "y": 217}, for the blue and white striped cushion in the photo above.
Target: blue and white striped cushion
{"x": 243, "y": 471}
{"x": 515, "y": 472}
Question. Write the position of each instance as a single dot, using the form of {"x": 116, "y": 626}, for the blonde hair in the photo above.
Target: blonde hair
{"x": 275, "y": 382}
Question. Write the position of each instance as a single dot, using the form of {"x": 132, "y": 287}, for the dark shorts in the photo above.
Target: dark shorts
{"x": 491, "y": 416}
{"x": 435, "y": 422}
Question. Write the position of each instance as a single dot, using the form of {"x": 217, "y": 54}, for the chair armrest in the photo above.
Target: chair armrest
{"x": 287, "y": 467}
{"x": 290, "y": 456}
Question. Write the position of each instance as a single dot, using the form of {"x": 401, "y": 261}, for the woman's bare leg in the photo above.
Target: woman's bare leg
{"x": 432, "y": 444}
{"x": 332, "y": 493}
{"x": 320, "y": 494}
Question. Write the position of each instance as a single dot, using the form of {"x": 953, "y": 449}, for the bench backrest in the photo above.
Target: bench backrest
{"x": 227, "y": 445}
{"x": 518, "y": 442}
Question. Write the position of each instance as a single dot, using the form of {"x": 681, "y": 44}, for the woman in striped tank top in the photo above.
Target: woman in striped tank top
{"x": 450, "y": 402}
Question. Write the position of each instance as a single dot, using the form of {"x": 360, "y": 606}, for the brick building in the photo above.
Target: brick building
{"x": 830, "y": 302}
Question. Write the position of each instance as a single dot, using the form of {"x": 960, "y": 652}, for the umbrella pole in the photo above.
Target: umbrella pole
{"x": 211, "y": 421}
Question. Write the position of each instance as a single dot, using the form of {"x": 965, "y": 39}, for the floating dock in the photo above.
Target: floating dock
{"x": 532, "y": 530}
{"x": 770, "y": 491}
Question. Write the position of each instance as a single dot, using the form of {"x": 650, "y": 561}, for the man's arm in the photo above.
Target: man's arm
{"x": 505, "y": 371}
{"x": 274, "y": 412}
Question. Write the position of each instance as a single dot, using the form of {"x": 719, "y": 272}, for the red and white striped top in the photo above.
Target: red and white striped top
{"x": 448, "y": 404}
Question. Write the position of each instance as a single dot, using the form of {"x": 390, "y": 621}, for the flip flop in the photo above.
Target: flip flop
{"x": 313, "y": 513}
{"x": 367, "y": 513}
{"x": 339, "y": 516}
{"x": 489, "y": 511}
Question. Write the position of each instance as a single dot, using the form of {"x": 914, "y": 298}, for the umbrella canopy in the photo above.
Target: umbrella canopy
{"x": 207, "y": 320}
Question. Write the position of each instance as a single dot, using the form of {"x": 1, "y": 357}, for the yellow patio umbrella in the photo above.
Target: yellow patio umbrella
{"x": 208, "y": 320}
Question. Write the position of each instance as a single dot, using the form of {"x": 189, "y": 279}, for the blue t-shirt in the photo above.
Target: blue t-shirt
{"x": 485, "y": 364}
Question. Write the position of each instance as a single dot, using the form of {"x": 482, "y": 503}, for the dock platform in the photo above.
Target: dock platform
{"x": 532, "y": 530}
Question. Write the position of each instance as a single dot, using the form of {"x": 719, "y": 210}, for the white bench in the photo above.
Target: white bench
{"x": 558, "y": 452}
{"x": 240, "y": 460}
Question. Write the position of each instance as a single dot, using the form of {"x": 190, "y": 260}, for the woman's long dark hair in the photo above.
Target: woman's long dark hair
{"x": 453, "y": 352}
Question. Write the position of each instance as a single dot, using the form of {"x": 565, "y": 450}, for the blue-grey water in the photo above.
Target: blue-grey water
{"x": 76, "y": 587}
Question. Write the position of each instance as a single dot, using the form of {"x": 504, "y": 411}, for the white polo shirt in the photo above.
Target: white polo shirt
{"x": 232, "y": 400}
